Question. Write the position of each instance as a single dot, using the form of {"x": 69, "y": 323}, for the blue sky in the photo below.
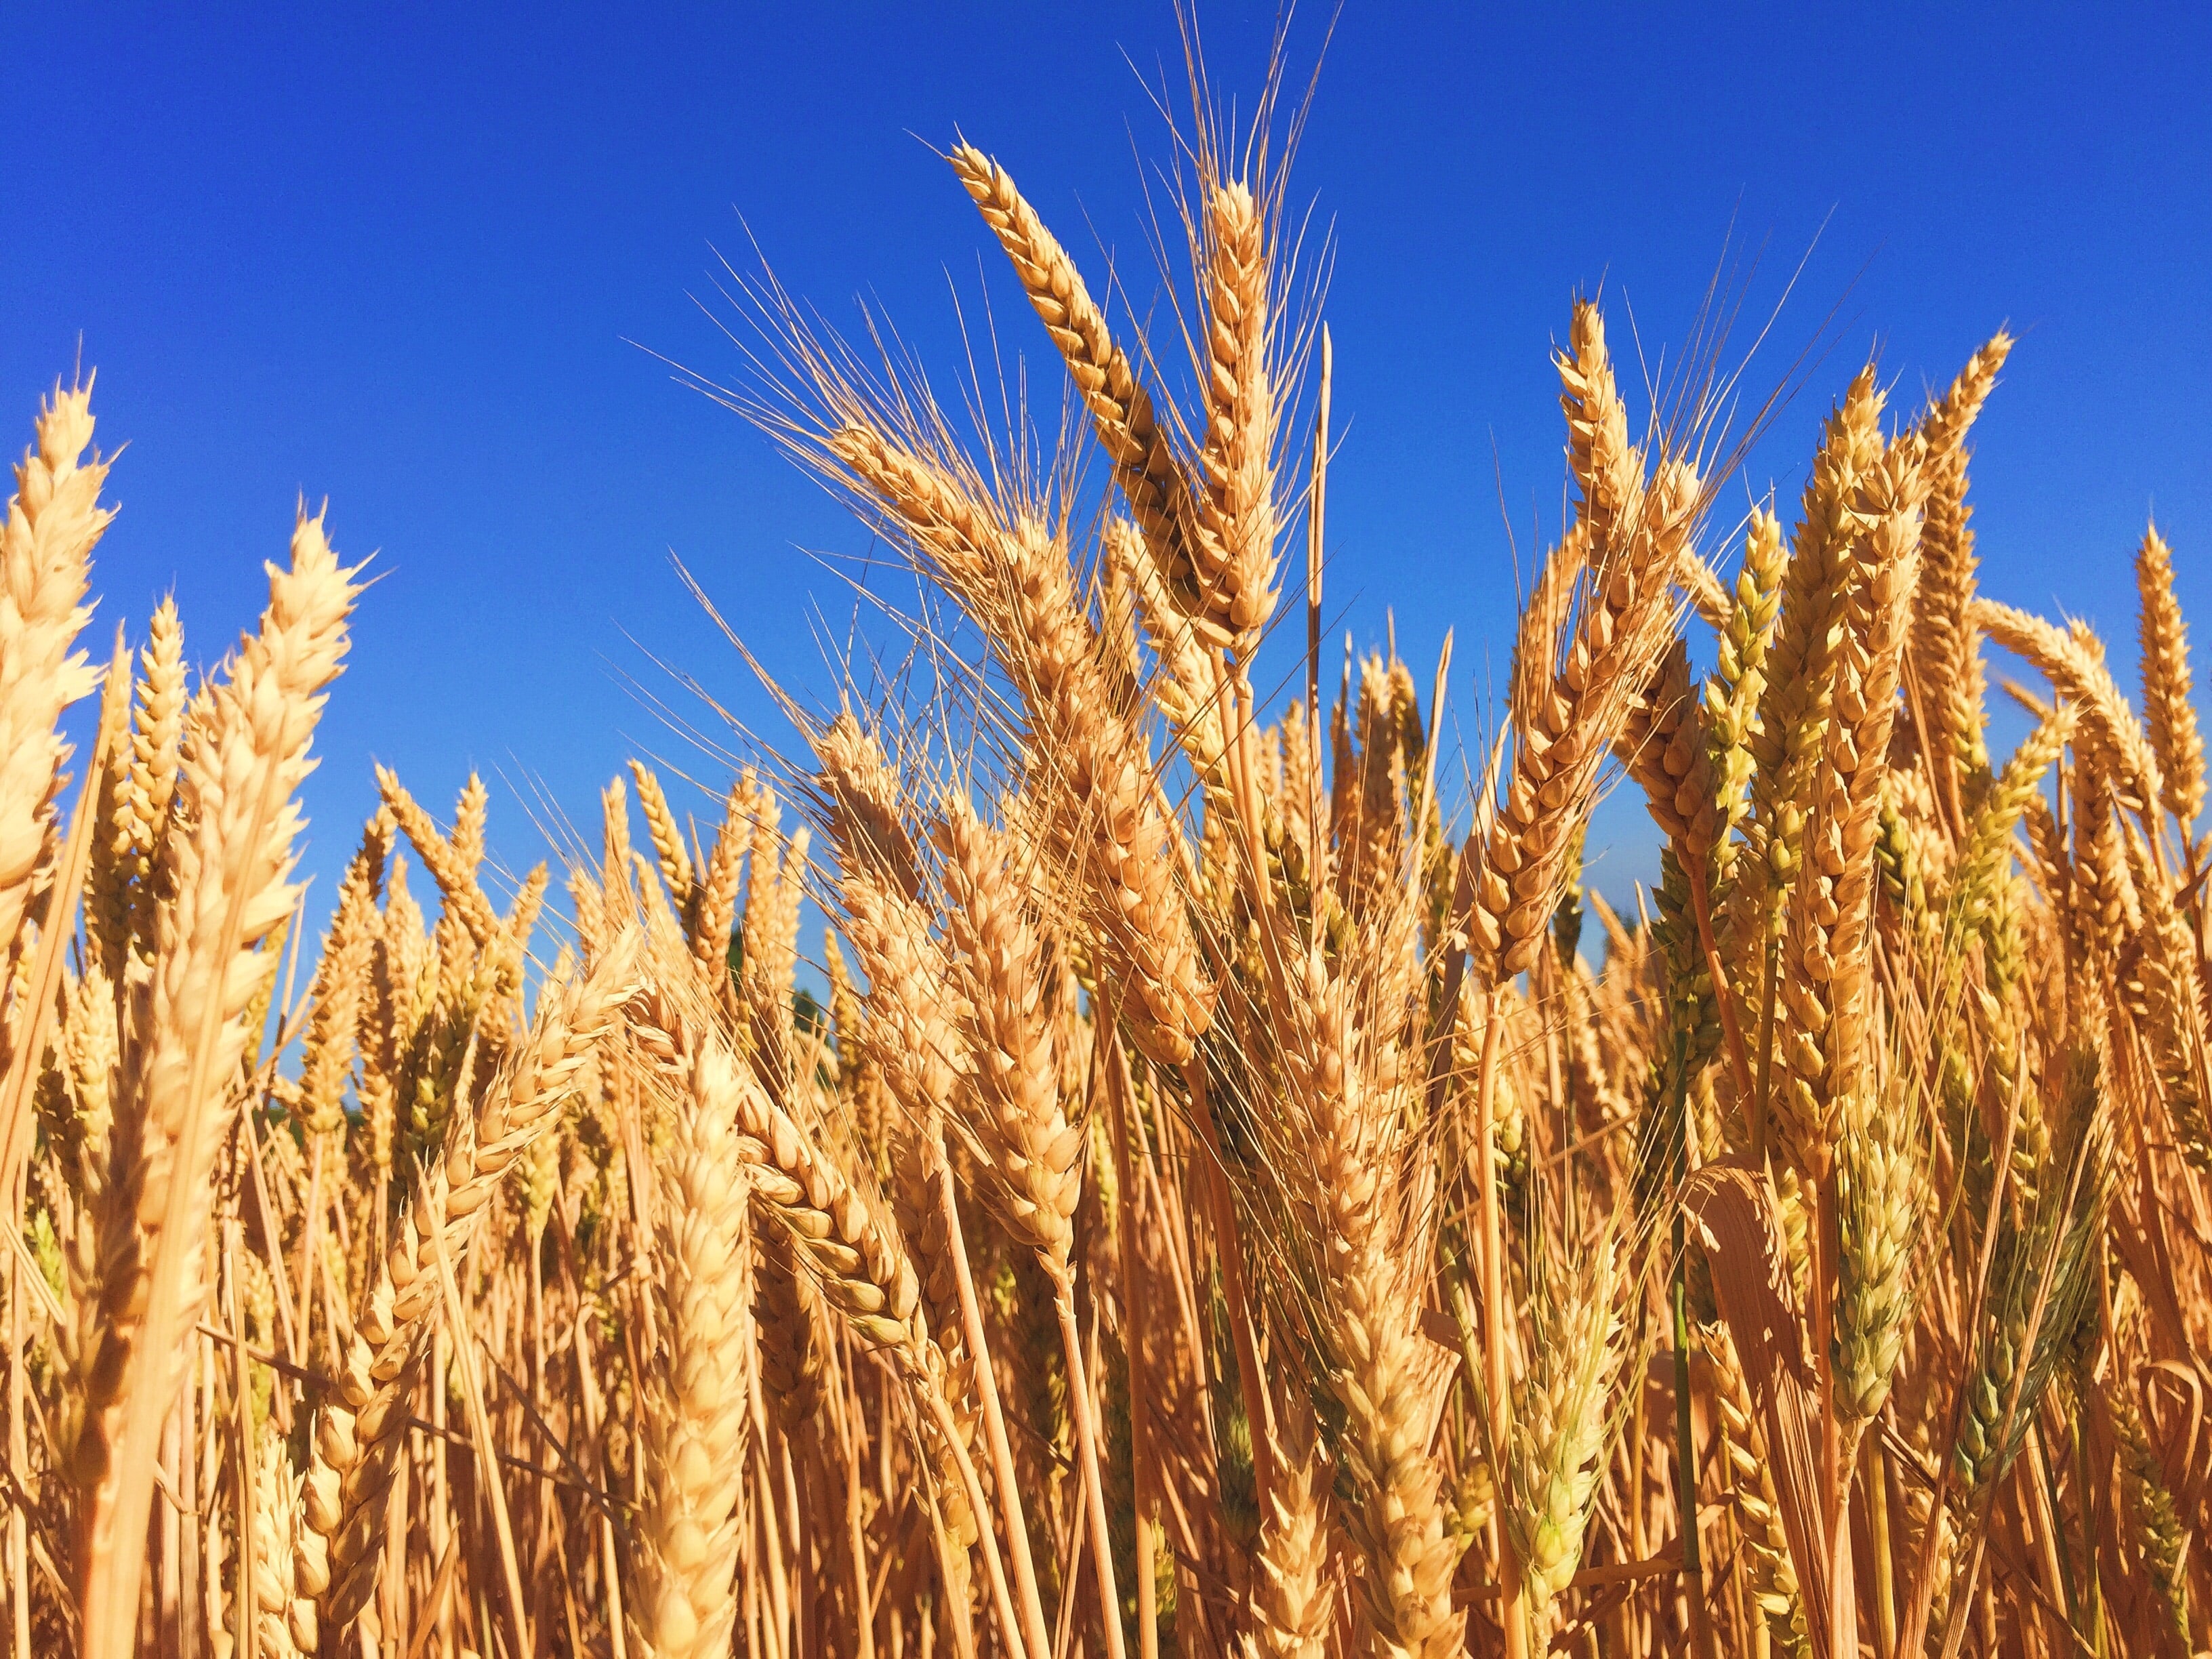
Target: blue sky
{"x": 394, "y": 257}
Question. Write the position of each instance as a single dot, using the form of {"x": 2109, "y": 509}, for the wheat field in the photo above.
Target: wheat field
{"x": 1241, "y": 1194}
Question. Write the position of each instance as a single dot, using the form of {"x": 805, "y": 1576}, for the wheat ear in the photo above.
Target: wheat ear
{"x": 910, "y": 1033}
{"x": 1145, "y": 465}
{"x": 121, "y": 906}
{"x": 2073, "y": 663}
{"x": 1037, "y": 1155}
{"x": 1555, "y": 1460}
{"x": 1944, "y": 662}
{"x": 2169, "y": 705}
{"x": 2159, "y": 1537}
{"x": 54, "y": 519}
{"x": 1773, "y": 1576}
{"x": 698, "y": 1401}
{"x": 1793, "y": 714}
{"x": 1827, "y": 987}
{"x": 1293, "y": 1603}
{"x": 246, "y": 761}
{"x": 1235, "y": 526}
{"x": 1575, "y": 695}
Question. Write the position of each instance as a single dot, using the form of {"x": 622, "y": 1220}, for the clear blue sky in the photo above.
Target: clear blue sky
{"x": 392, "y": 256}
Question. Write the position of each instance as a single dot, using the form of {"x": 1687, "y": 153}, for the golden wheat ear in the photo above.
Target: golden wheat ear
{"x": 54, "y": 521}
{"x": 233, "y": 852}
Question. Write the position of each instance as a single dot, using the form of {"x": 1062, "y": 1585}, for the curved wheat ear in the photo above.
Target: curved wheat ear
{"x": 357, "y": 1432}
{"x": 173, "y": 1109}
{"x": 908, "y": 1035}
{"x": 698, "y": 1393}
{"x": 793, "y": 1338}
{"x": 1572, "y": 696}
{"x": 2168, "y": 693}
{"x": 54, "y": 519}
{"x": 716, "y": 905}
{"x": 1096, "y": 777}
{"x": 2073, "y": 663}
{"x": 848, "y": 1246}
{"x": 909, "y": 1030}
{"x": 1944, "y": 662}
{"x": 1145, "y": 465}
{"x": 668, "y": 849}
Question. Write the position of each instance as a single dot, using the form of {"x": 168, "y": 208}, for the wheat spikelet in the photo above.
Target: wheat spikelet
{"x": 1662, "y": 744}
{"x": 715, "y": 904}
{"x": 1608, "y": 471}
{"x": 1388, "y": 1393}
{"x": 2045, "y": 1258}
{"x": 1882, "y": 1191}
{"x": 771, "y": 944}
{"x": 667, "y": 838}
{"x": 2160, "y": 1539}
{"x": 2163, "y": 983}
{"x": 1184, "y": 687}
{"x": 1733, "y": 694}
{"x": 1380, "y": 1371}
{"x": 449, "y": 864}
{"x": 276, "y": 1529}
{"x": 1565, "y": 731}
{"x": 793, "y": 1335}
{"x": 342, "y": 977}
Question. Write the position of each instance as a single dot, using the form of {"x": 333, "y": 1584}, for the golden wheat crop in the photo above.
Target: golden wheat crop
{"x": 1226, "y": 1207}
